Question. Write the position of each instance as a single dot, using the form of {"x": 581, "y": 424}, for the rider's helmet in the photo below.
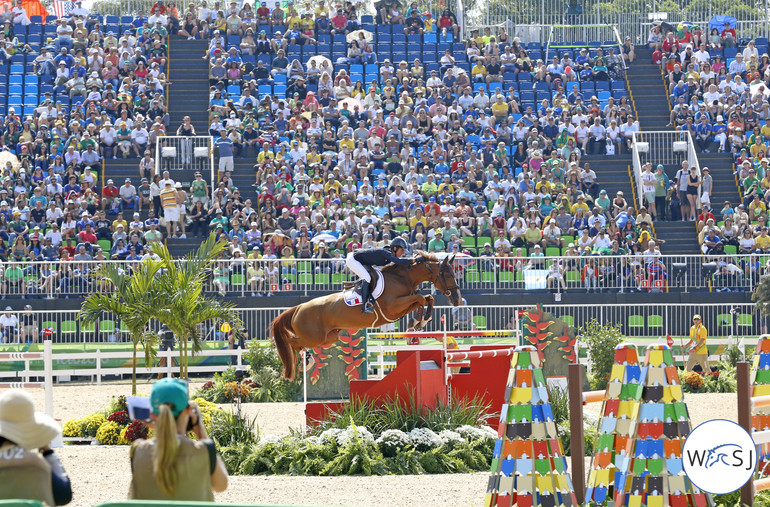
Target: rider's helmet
{"x": 400, "y": 243}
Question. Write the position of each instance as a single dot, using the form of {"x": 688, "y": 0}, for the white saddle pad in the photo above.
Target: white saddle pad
{"x": 353, "y": 298}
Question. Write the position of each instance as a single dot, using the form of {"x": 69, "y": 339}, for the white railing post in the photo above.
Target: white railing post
{"x": 98, "y": 367}
{"x": 48, "y": 377}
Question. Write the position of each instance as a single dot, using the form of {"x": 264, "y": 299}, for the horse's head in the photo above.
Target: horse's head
{"x": 445, "y": 280}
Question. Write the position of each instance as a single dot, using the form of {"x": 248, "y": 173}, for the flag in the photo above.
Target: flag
{"x": 62, "y": 9}
{"x": 47, "y": 333}
{"x": 669, "y": 340}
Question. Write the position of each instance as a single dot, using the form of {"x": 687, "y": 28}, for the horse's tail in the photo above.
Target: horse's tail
{"x": 281, "y": 329}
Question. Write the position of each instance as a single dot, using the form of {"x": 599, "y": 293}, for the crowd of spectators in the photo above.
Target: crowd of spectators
{"x": 455, "y": 151}
{"x": 718, "y": 86}
{"x": 102, "y": 96}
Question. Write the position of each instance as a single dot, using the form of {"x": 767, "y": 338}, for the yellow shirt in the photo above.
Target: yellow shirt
{"x": 348, "y": 145}
{"x": 698, "y": 333}
{"x": 578, "y": 206}
{"x": 478, "y": 70}
{"x": 269, "y": 155}
{"x": 499, "y": 109}
{"x": 762, "y": 242}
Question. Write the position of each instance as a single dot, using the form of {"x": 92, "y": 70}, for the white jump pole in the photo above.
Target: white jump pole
{"x": 48, "y": 365}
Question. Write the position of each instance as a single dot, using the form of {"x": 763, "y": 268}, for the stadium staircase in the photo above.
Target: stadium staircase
{"x": 650, "y": 98}
{"x": 612, "y": 173}
{"x": 188, "y": 96}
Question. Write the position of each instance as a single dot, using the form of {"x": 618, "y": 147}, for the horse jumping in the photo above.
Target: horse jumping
{"x": 318, "y": 322}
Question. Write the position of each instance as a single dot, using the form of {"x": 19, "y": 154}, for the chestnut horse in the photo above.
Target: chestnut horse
{"x": 319, "y": 321}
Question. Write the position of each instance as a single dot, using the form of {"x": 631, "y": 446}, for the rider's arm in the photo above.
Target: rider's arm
{"x": 397, "y": 260}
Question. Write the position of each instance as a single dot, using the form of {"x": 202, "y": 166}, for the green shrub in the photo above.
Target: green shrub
{"x": 406, "y": 415}
{"x": 601, "y": 340}
{"x": 228, "y": 428}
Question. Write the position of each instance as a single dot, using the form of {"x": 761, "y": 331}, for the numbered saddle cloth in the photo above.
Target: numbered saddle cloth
{"x": 353, "y": 295}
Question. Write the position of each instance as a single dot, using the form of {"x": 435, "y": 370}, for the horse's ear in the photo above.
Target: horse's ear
{"x": 452, "y": 259}
{"x": 444, "y": 262}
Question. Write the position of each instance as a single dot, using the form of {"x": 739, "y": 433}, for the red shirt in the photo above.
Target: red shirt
{"x": 110, "y": 191}
{"x": 263, "y": 12}
{"x": 86, "y": 237}
{"x": 339, "y": 21}
{"x": 667, "y": 45}
{"x": 703, "y": 217}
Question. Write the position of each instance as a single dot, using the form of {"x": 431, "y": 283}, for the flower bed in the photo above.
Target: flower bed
{"x": 356, "y": 451}
{"x": 112, "y": 426}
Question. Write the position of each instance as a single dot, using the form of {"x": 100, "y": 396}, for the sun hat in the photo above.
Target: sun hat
{"x": 21, "y": 425}
{"x": 172, "y": 392}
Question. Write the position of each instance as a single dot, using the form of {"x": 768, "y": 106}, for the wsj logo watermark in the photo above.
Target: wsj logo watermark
{"x": 719, "y": 456}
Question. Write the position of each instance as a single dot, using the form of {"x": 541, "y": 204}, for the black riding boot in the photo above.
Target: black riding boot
{"x": 365, "y": 295}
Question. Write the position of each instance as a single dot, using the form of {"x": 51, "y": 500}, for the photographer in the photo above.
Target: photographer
{"x": 166, "y": 338}
{"x": 25, "y": 473}
{"x": 172, "y": 466}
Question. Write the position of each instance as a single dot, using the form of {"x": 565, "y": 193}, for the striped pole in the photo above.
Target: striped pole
{"x": 440, "y": 334}
{"x": 20, "y": 356}
{"x": 22, "y": 385}
{"x": 478, "y": 354}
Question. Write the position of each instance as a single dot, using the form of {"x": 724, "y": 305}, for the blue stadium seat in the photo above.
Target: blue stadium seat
{"x": 234, "y": 40}
{"x": 15, "y": 89}
{"x": 126, "y": 20}
{"x": 602, "y": 85}
{"x": 356, "y": 69}
{"x": 30, "y": 100}
{"x": 16, "y": 79}
{"x": 36, "y": 20}
{"x": 731, "y": 52}
{"x": 279, "y": 90}
{"x": 323, "y": 49}
{"x": 367, "y": 18}
{"x": 233, "y": 90}
{"x": 14, "y": 101}
{"x": 294, "y": 50}
{"x": 430, "y": 38}
{"x": 31, "y": 79}
{"x": 414, "y": 38}
{"x": 603, "y": 95}
{"x": 265, "y": 89}
{"x": 399, "y": 38}
{"x": 29, "y": 110}
{"x": 280, "y": 79}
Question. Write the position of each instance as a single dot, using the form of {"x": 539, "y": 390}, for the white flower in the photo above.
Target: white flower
{"x": 270, "y": 439}
{"x": 330, "y": 434}
{"x": 313, "y": 440}
{"x": 425, "y": 438}
{"x": 395, "y": 438}
{"x": 451, "y": 437}
{"x": 351, "y": 432}
{"x": 474, "y": 433}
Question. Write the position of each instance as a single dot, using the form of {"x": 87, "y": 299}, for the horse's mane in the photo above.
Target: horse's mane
{"x": 418, "y": 253}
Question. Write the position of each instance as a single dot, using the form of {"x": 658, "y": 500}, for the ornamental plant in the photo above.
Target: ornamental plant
{"x": 109, "y": 433}
{"x": 120, "y": 417}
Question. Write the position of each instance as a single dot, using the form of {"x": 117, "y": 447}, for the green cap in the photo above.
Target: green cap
{"x": 172, "y": 392}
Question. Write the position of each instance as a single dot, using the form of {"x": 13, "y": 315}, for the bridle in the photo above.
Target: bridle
{"x": 447, "y": 291}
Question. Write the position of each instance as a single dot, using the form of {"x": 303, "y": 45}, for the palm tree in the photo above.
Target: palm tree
{"x": 181, "y": 303}
{"x": 130, "y": 301}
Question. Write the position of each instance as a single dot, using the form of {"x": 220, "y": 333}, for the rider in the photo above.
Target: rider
{"x": 359, "y": 260}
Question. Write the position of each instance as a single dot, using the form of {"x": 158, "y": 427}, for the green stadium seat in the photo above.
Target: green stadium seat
{"x": 731, "y": 249}
{"x": 725, "y": 320}
{"x": 480, "y": 321}
{"x": 505, "y": 276}
{"x": 88, "y": 328}
{"x": 51, "y": 324}
{"x": 237, "y": 281}
{"x": 572, "y": 277}
{"x": 323, "y": 279}
{"x": 552, "y": 251}
{"x": 488, "y": 276}
{"x": 469, "y": 242}
{"x": 745, "y": 320}
{"x": 568, "y": 319}
{"x": 472, "y": 277}
{"x": 68, "y": 327}
{"x": 305, "y": 279}
{"x": 636, "y": 321}
{"x": 107, "y": 326}
{"x": 105, "y": 245}
{"x": 123, "y": 328}
{"x": 655, "y": 321}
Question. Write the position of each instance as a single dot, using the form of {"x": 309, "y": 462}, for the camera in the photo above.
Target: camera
{"x": 194, "y": 419}
{"x": 240, "y": 375}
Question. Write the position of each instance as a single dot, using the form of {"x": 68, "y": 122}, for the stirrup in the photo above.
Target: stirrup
{"x": 368, "y": 307}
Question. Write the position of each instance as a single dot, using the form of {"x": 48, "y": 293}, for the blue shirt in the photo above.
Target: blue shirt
{"x": 225, "y": 147}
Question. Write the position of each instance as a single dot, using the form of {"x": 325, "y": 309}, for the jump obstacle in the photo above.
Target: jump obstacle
{"x": 752, "y": 393}
{"x": 424, "y": 374}
{"x": 47, "y": 384}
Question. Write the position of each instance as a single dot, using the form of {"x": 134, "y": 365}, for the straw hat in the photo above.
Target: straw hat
{"x": 21, "y": 425}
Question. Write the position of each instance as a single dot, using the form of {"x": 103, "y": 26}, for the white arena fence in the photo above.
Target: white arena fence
{"x": 634, "y": 320}
{"x": 294, "y": 277}
{"x": 643, "y": 324}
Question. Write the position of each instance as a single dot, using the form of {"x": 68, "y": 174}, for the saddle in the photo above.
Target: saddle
{"x": 352, "y": 290}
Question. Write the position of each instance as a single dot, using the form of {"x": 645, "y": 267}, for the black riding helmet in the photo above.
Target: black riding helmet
{"x": 400, "y": 243}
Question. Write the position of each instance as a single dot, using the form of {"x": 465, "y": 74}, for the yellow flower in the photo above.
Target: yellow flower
{"x": 72, "y": 428}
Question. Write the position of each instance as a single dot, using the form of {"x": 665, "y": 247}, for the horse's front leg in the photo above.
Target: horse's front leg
{"x": 427, "y": 315}
{"x": 411, "y": 303}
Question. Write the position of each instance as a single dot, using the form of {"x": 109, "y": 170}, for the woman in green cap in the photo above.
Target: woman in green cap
{"x": 172, "y": 466}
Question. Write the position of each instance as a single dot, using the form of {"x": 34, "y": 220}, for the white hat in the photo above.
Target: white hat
{"x": 21, "y": 425}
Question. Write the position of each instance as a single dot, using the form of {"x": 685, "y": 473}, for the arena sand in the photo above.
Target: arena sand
{"x": 102, "y": 473}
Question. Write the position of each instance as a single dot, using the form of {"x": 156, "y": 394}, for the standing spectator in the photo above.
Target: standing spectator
{"x": 699, "y": 353}
{"x": 172, "y": 466}
{"x": 29, "y": 469}
{"x": 170, "y": 208}
{"x": 186, "y": 130}
{"x": 226, "y": 159}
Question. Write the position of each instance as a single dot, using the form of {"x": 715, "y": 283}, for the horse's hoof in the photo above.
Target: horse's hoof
{"x": 309, "y": 363}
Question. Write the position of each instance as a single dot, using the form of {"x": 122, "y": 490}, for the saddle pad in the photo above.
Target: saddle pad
{"x": 353, "y": 298}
